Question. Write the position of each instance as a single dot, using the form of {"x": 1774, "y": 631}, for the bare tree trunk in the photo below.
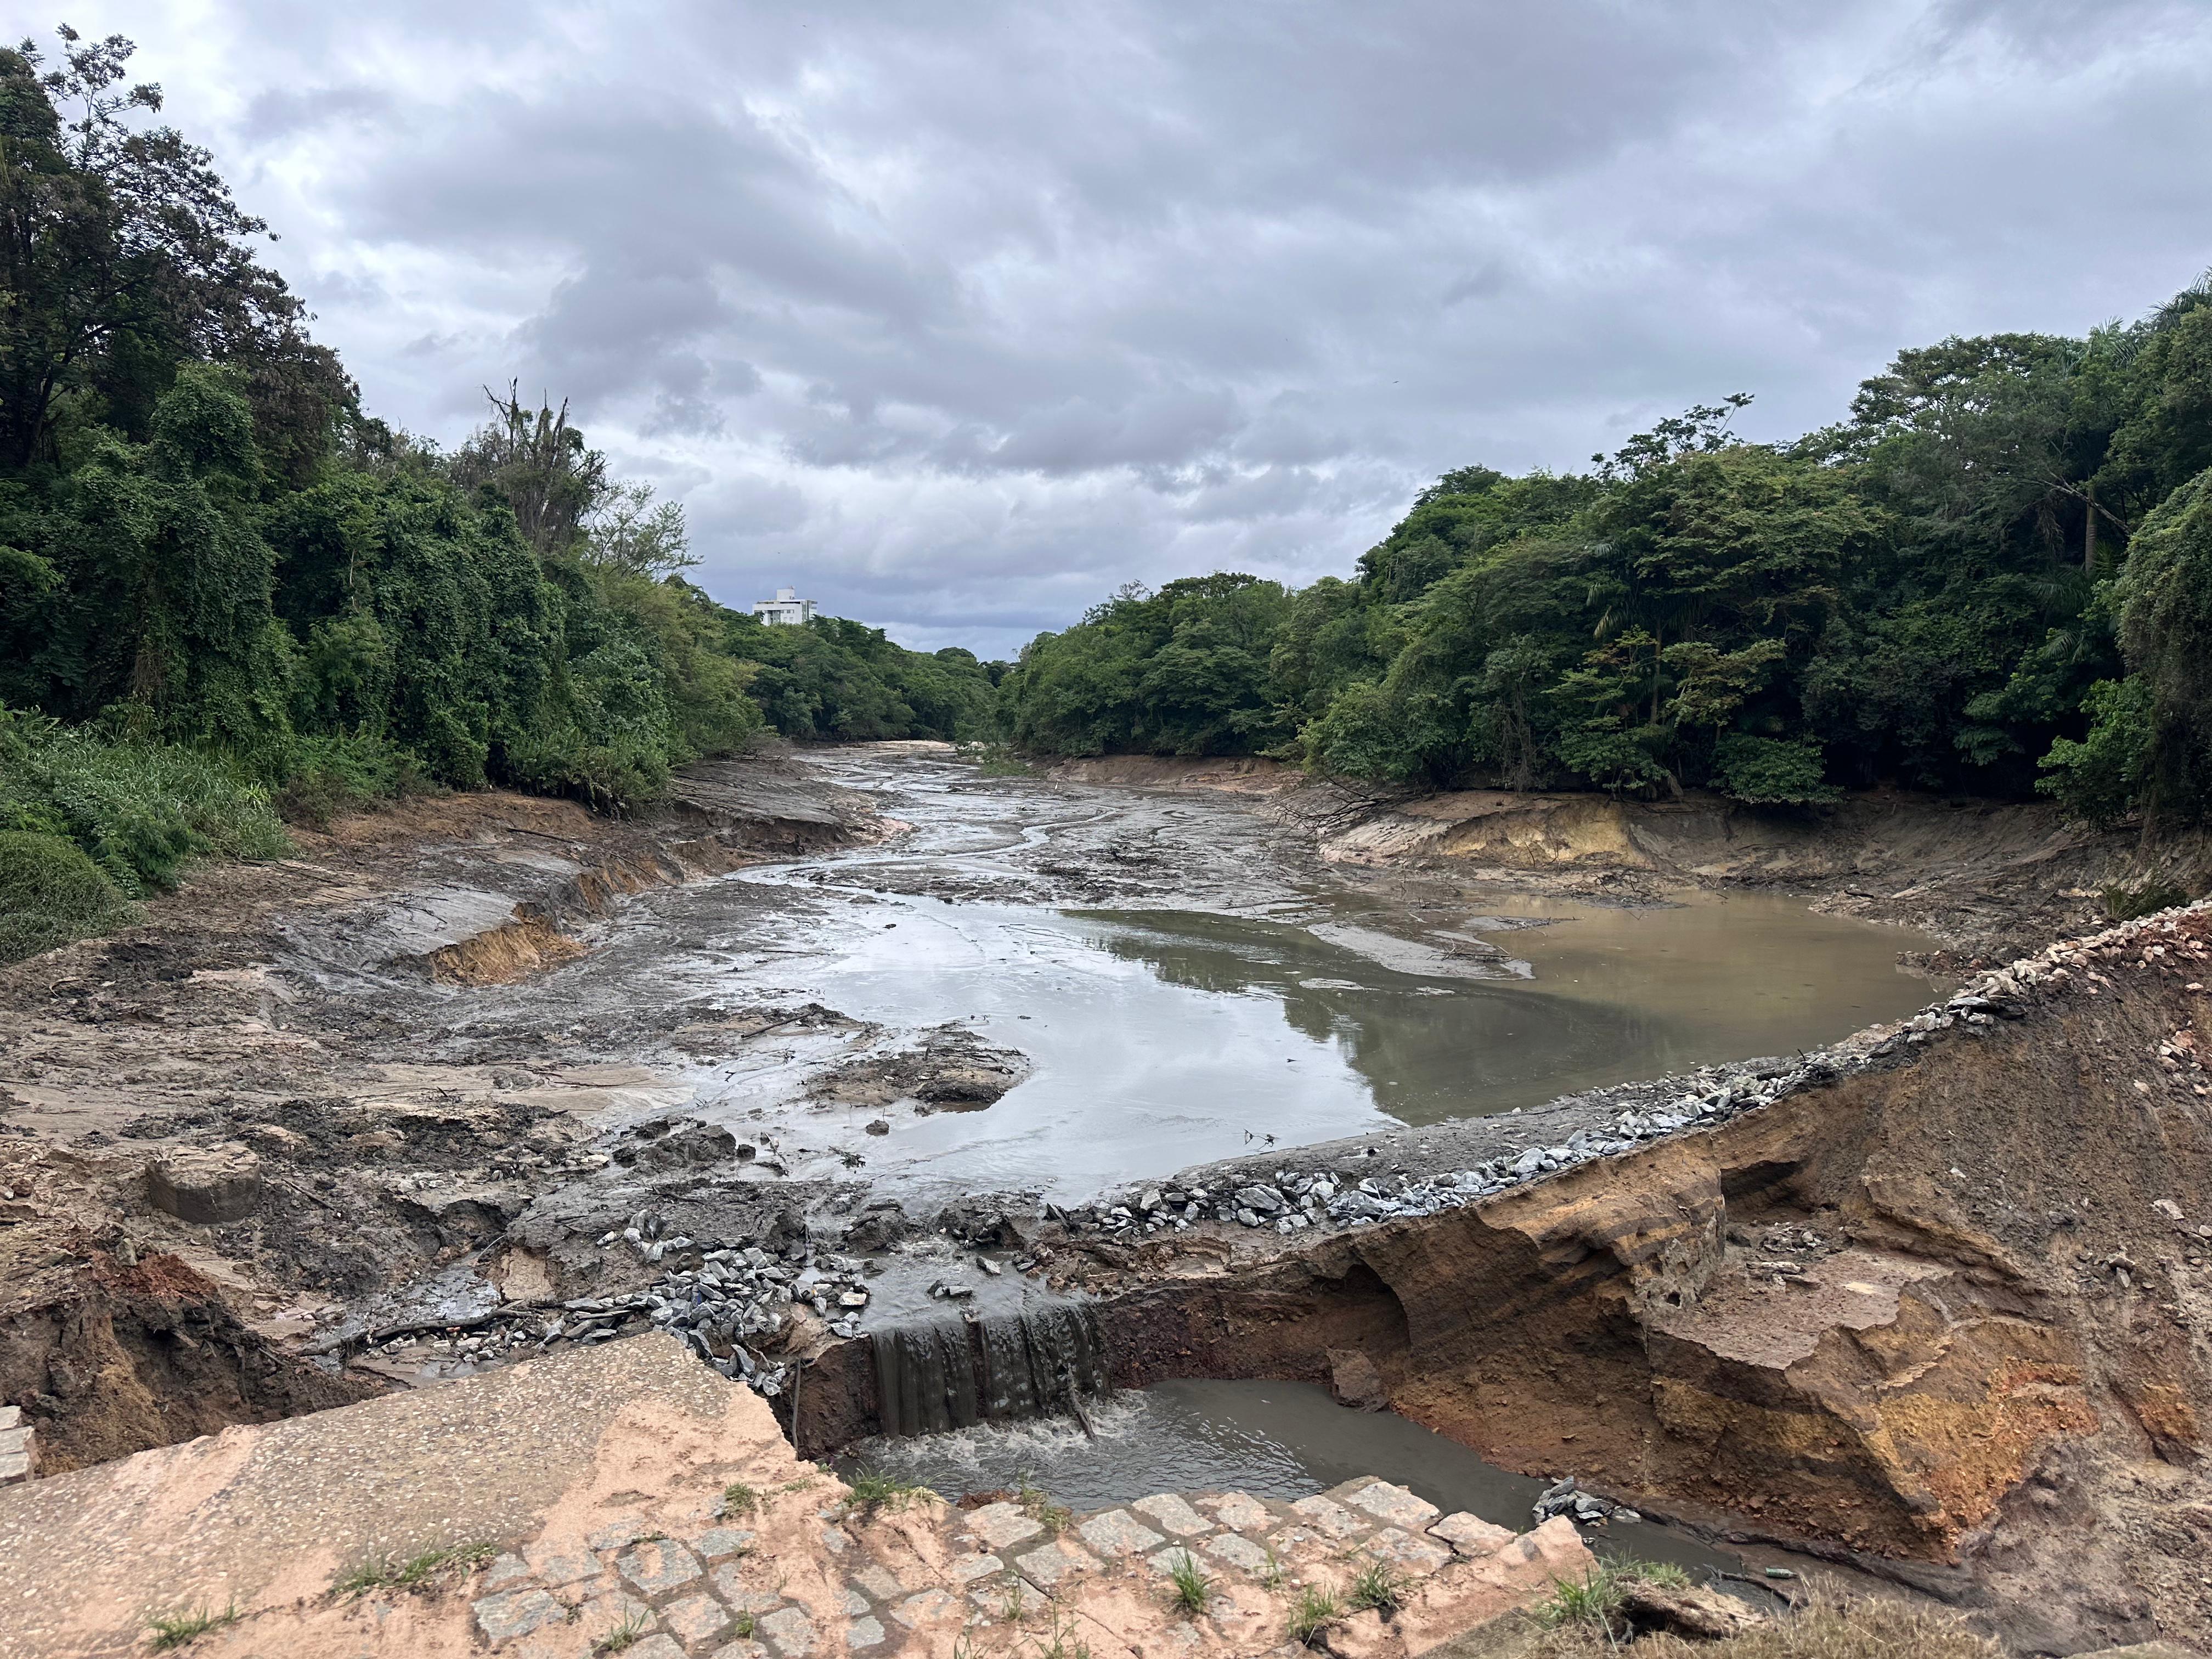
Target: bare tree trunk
{"x": 2089, "y": 531}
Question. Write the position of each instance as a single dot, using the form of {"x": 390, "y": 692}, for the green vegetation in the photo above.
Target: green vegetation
{"x": 1378, "y": 1585}
{"x": 1193, "y": 1590}
{"x": 227, "y": 592}
{"x": 873, "y": 1490}
{"x": 625, "y": 1635}
{"x": 1828, "y": 1626}
{"x": 1593, "y": 1602}
{"x": 1995, "y": 575}
{"x": 1310, "y": 1609}
{"x": 51, "y": 893}
{"x": 739, "y": 1499}
{"x": 174, "y": 1630}
{"x": 414, "y": 1573}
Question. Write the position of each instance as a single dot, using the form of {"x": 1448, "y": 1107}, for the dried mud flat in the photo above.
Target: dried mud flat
{"x": 317, "y": 1129}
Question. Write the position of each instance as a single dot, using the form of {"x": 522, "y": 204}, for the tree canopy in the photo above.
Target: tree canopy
{"x": 1994, "y": 575}
{"x": 206, "y": 544}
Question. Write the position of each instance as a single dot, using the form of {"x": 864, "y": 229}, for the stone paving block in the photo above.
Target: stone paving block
{"x": 513, "y": 1614}
{"x": 654, "y": 1647}
{"x": 1165, "y": 1561}
{"x": 925, "y": 1608}
{"x": 1051, "y": 1565}
{"x": 1299, "y": 1543}
{"x": 1238, "y": 1511}
{"x": 555, "y": 1567}
{"x": 967, "y": 1569}
{"x": 879, "y": 1583}
{"x": 697, "y": 1621}
{"x": 14, "y": 1467}
{"x": 740, "y": 1649}
{"x": 11, "y": 1417}
{"x": 1471, "y": 1535}
{"x": 741, "y": 1597}
{"x": 603, "y": 1616}
{"x": 856, "y": 1605}
{"x": 506, "y": 1571}
{"x": 1172, "y": 1515}
{"x": 660, "y": 1566}
{"x": 1394, "y": 1504}
{"x": 835, "y": 1541}
{"x": 1334, "y": 1519}
{"x": 1001, "y": 1525}
{"x": 1238, "y": 1551}
{"x": 1118, "y": 1533}
{"x": 717, "y": 1543}
{"x": 1415, "y": 1555}
{"x": 618, "y": 1535}
{"x": 864, "y": 1634}
{"x": 789, "y": 1632}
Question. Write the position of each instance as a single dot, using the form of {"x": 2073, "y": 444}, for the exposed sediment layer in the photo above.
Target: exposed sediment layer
{"x": 1946, "y": 1304}
{"x": 1994, "y": 878}
{"x": 1938, "y": 1301}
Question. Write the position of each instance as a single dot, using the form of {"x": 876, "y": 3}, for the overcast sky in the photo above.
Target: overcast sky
{"x": 958, "y": 317}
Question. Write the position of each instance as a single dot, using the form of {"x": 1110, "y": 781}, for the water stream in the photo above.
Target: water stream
{"x": 1242, "y": 991}
{"x": 1270, "y": 1439}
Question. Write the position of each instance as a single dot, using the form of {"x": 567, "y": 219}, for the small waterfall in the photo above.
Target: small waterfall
{"x": 956, "y": 1372}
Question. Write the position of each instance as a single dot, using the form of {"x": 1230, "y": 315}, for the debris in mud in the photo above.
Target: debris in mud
{"x": 1585, "y": 1508}
{"x": 951, "y": 1069}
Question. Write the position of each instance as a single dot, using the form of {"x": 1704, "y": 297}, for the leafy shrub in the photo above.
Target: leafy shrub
{"x": 51, "y": 893}
{"x": 141, "y": 808}
{"x": 328, "y": 776}
{"x": 2099, "y": 780}
{"x": 1767, "y": 772}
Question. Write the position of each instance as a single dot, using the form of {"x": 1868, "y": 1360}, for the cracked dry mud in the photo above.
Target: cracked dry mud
{"x": 829, "y": 1035}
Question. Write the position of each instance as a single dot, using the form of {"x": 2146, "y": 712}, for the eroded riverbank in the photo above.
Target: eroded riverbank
{"x": 809, "y": 1058}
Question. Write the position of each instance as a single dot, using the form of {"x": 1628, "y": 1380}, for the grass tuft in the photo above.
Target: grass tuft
{"x": 414, "y": 1573}
{"x": 1378, "y": 1585}
{"x": 1830, "y": 1625}
{"x": 1193, "y": 1590}
{"x": 1314, "y": 1608}
{"x": 1061, "y": 1642}
{"x": 873, "y": 1490}
{"x": 2130, "y": 904}
{"x": 1054, "y": 1518}
{"x": 624, "y": 1637}
{"x": 739, "y": 1499}
{"x": 174, "y": 1629}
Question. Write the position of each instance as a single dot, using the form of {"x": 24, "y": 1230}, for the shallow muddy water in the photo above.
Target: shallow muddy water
{"x": 1270, "y": 1439}
{"x": 1187, "y": 983}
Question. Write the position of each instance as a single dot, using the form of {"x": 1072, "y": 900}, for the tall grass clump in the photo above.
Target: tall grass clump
{"x": 51, "y": 893}
{"x": 139, "y": 808}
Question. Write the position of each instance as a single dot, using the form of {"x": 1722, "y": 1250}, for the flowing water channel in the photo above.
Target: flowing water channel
{"x": 1271, "y": 1439}
{"x": 1188, "y": 982}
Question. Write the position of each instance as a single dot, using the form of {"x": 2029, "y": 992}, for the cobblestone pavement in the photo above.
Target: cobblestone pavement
{"x": 625, "y": 1499}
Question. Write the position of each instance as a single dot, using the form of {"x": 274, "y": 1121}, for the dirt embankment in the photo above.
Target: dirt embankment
{"x": 1947, "y": 1313}
{"x": 1996, "y": 878}
{"x": 248, "y": 1116}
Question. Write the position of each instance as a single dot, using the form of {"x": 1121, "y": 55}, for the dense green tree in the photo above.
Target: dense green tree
{"x": 1182, "y": 671}
{"x": 1987, "y": 578}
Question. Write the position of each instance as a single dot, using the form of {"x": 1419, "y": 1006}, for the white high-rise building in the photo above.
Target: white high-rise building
{"x": 787, "y": 608}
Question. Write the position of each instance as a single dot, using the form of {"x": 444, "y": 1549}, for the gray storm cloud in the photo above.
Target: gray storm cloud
{"x": 960, "y": 318}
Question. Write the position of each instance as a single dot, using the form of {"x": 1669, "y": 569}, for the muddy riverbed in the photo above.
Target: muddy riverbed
{"x": 1155, "y": 981}
{"x": 448, "y": 1055}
